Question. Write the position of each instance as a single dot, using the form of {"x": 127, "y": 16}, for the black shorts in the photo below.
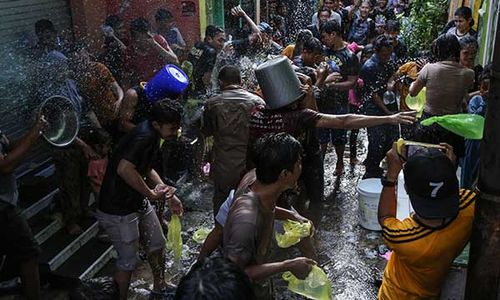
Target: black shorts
{"x": 16, "y": 239}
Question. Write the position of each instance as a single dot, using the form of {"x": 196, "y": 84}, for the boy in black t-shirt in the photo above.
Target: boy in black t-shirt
{"x": 124, "y": 210}
{"x": 334, "y": 98}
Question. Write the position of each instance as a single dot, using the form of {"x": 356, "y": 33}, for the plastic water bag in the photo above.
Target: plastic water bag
{"x": 294, "y": 231}
{"x": 417, "y": 103}
{"x": 174, "y": 240}
{"x": 315, "y": 286}
{"x": 465, "y": 125}
{"x": 201, "y": 234}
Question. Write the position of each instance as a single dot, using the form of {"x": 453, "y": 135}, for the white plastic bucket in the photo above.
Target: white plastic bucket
{"x": 368, "y": 197}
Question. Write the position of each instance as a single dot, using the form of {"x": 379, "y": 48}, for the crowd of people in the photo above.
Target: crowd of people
{"x": 265, "y": 164}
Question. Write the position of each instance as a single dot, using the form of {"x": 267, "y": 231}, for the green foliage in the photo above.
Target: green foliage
{"x": 427, "y": 19}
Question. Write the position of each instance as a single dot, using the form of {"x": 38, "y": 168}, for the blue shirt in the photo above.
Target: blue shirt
{"x": 375, "y": 75}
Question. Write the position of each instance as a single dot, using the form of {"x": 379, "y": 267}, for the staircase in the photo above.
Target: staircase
{"x": 65, "y": 260}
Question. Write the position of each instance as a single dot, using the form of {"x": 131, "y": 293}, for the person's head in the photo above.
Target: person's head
{"x": 468, "y": 51}
{"x": 382, "y": 45}
{"x": 277, "y": 158}
{"x": 431, "y": 183}
{"x": 163, "y": 18}
{"x": 46, "y": 33}
{"x": 312, "y": 52}
{"x": 329, "y": 4}
{"x": 213, "y": 279}
{"x": 165, "y": 116}
{"x": 485, "y": 81}
{"x": 302, "y": 36}
{"x": 380, "y": 25}
{"x": 215, "y": 37}
{"x": 324, "y": 15}
{"x": 463, "y": 19}
{"x": 229, "y": 75}
{"x": 100, "y": 140}
{"x": 392, "y": 29}
{"x": 382, "y": 3}
{"x": 79, "y": 56}
{"x": 266, "y": 32}
{"x": 116, "y": 23}
{"x": 366, "y": 53}
{"x": 446, "y": 47}
{"x": 330, "y": 33}
{"x": 364, "y": 9}
{"x": 139, "y": 30}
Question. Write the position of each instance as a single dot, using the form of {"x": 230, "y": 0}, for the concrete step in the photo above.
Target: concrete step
{"x": 61, "y": 246}
{"x": 85, "y": 263}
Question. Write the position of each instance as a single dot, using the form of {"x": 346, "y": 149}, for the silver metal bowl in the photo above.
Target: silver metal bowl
{"x": 62, "y": 119}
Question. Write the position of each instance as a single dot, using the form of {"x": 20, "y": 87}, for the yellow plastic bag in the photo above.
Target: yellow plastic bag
{"x": 201, "y": 234}
{"x": 417, "y": 103}
{"x": 174, "y": 240}
{"x": 294, "y": 231}
{"x": 315, "y": 286}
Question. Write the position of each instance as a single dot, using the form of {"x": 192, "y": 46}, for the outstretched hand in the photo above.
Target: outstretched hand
{"x": 405, "y": 118}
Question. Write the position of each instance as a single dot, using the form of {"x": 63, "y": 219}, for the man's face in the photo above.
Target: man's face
{"x": 485, "y": 87}
{"x": 380, "y": 29}
{"x": 336, "y": 5}
{"x": 293, "y": 176}
{"x": 328, "y": 39}
{"x": 462, "y": 24}
{"x": 384, "y": 54}
{"x": 329, "y": 4}
{"x": 364, "y": 10}
{"x": 217, "y": 41}
{"x": 382, "y": 3}
{"x": 468, "y": 55}
{"x": 312, "y": 58}
{"x": 167, "y": 131}
{"x": 323, "y": 17}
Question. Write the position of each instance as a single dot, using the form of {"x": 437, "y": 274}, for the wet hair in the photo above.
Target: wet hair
{"x": 464, "y": 12}
{"x": 367, "y": 50}
{"x": 212, "y": 30}
{"x": 163, "y": 15}
{"x": 43, "y": 25}
{"x": 393, "y": 26}
{"x": 273, "y": 153}
{"x": 113, "y": 21}
{"x": 322, "y": 9}
{"x": 166, "y": 111}
{"x": 313, "y": 45}
{"x": 302, "y": 36}
{"x": 213, "y": 279}
{"x": 382, "y": 41}
{"x": 486, "y": 74}
{"x": 446, "y": 46}
{"x": 467, "y": 41}
{"x": 139, "y": 25}
{"x": 96, "y": 136}
{"x": 230, "y": 74}
{"x": 330, "y": 27}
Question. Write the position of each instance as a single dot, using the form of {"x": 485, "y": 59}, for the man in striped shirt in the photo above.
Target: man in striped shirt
{"x": 425, "y": 244}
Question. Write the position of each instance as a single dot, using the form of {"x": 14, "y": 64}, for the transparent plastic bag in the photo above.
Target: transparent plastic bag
{"x": 315, "y": 286}
{"x": 174, "y": 240}
{"x": 465, "y": 125}
{"x": 294, "y": 231}
{"x": 201, "y": 234}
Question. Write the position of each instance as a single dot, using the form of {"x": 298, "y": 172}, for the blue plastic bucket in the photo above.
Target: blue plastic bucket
{"x": 169, "y": 81}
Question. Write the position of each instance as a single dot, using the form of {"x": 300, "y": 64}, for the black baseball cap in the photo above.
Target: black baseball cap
{"x": 432, "y": 184}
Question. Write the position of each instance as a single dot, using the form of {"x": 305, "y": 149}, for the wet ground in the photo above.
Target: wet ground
{"x": 349, "y": 254}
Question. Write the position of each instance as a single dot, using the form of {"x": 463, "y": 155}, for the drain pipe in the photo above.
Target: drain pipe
{"x": 483, "y": 274}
